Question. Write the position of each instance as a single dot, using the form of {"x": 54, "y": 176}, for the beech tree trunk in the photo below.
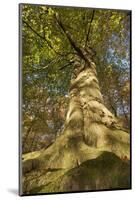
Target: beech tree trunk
{"x": 91, "y": 153}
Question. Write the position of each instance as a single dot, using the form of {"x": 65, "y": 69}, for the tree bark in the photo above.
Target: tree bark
{"x": 91, "y": 132}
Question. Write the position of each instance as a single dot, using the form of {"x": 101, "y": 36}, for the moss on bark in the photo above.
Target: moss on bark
{"x": 107, "y": 171}
{"x": 93, "y": 152}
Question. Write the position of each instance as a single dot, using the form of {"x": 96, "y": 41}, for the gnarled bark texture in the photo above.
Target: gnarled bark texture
{"x": 92, "y": 153}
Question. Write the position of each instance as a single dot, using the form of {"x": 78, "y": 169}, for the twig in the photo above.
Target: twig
{"x": 42, "y": 37}
{"x": 70, "y": 63}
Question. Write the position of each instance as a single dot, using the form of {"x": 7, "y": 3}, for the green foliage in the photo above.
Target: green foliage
{"x": 91, "y": 151}
{"x": 46, "y": 49}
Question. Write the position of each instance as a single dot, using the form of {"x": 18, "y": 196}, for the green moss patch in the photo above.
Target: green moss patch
{"x": 107, "y": 171}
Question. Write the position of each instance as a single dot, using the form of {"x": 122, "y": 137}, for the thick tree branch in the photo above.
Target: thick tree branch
{"x": 72, "y": 42}
{"x": 89, "y": 29}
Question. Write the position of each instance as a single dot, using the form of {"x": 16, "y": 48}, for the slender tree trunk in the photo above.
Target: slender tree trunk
{"x": 27, "y": 136}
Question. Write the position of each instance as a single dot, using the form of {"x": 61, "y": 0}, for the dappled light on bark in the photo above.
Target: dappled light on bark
{"x": 89, "y": 130}
{"x": 88, "y": 148}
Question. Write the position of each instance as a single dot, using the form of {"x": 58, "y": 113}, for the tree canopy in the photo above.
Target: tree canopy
{"x": 47, "y": 63}
{"x": 75, "y": 99}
